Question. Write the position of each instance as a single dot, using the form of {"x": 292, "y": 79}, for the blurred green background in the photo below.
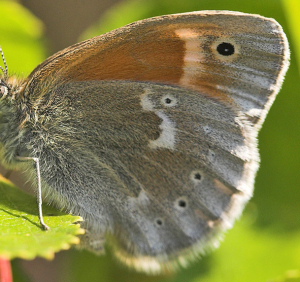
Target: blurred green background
{"x": 264, "y": 245}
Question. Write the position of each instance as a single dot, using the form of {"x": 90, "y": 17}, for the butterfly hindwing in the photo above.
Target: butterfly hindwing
{"x": 164, "y": 168}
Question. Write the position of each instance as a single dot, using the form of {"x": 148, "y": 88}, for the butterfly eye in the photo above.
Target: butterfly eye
{"x": 225, "y": 49}
{"x": 168, "y": 101}
{"x": 3, "y": 89}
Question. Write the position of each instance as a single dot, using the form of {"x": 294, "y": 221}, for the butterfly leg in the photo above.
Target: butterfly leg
{"x": 39, "y": 192}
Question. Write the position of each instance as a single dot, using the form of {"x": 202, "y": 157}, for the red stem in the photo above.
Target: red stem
{"x": 5, "y": 270}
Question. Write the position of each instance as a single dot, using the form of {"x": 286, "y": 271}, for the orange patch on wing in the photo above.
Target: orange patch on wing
{"x": 164, "y": 53}
{"x": 148, "y": 58}
{"x": 198, "y": 73}
{"x": 226, "y": 190}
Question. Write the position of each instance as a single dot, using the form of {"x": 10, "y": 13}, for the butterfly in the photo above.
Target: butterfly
{"x": 149, "y": 132}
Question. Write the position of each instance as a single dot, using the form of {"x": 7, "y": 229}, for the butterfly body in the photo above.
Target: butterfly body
{"x": 149, "y": 132}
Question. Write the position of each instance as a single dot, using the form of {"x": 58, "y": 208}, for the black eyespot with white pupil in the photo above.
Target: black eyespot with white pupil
{"x": 168, "y": 100}
{"x": 226, "y": 49}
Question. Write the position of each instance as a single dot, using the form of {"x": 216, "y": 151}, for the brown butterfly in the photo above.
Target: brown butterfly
{"x": 149, "y": 131}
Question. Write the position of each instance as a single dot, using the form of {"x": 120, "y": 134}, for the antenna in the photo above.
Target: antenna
{"x": 5, "y": 68}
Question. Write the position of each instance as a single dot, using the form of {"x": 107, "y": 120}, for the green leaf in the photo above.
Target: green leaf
{"x": 290, "y": 276}
{"x": 21, "y": 233}
{"x": 21, "y": 38}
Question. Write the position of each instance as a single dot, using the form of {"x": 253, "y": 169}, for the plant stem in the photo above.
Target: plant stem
{"x": 5, "y": 270}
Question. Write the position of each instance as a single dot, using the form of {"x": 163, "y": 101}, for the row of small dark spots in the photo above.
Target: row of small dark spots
{"x": 181, "y": 203}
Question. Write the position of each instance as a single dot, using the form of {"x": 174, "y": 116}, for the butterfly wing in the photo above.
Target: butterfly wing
{"x": 158, "y": 169}
{"x": 186, "y": 50}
